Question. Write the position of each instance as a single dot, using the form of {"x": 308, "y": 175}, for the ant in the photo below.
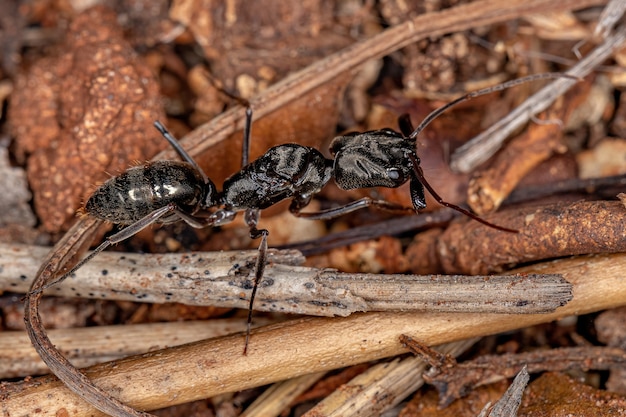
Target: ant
{"x": 170, "y": 191}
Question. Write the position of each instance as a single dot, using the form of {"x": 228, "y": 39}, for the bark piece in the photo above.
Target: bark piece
{"x": 558, "y": 395}
{"x": 546, "y": 232}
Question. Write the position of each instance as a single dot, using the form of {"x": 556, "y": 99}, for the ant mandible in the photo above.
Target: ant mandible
{"x": 170, "y": 191}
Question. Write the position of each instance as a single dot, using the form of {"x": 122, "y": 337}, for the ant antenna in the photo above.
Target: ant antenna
{"x": 405, "y": 125}
{"x": 247, "y": 129}
{"x": 420, "y": 176}
{"x": 473, "y": 94}
{"x": 243, "y": 102}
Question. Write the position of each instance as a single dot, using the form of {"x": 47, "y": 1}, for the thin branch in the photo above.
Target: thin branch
{"x": 222, "y": 279}
{"x": 454, "y": 382}
{"x": 86, "y": 346}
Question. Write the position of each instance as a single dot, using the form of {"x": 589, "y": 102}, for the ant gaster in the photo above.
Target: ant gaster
{"x": 169, "y": 191}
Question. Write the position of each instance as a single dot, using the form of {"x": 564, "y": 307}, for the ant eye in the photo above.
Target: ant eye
{"x": 394, "y": 174}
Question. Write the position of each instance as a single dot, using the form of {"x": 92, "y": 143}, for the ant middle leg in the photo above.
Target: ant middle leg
{"x": 251, "y": 219}
{"x": 348, "y": 208}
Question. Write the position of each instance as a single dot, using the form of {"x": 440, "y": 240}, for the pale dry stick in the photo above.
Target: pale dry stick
{"x": 479, "y": 149}
{"x": 218, "y": 279}
{"x": 611, "y": 14}
{"x": 460, "y": 18}
{"x": 508, "y": 405}
{"x": 290, "y": 349}
{"x": 279, "y": 396}
{"x": 381, "y": 387}
{"x": 88, "y": 346}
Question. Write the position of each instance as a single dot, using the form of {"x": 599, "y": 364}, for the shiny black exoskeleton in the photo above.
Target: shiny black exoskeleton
{"x": 284, "y": 171}
{"x": 386, "y": 158}
{"x": 378, "y": 158}
{"x": 134, "y": 194}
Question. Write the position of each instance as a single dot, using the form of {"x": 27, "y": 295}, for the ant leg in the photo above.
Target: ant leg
{"x": 420, "y": 176}
{"x": 349, "y": 208}
{"x": 179, "y": 149}
{"x": 247, "y": 131}
{"x": 218, "y": 218}
{"x": 252, "y": 218}
{"x": 115, "y": 238}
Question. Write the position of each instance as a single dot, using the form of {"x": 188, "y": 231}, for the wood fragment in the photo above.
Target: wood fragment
{"x": 508, "y": 405}
{"x": 279, "y": 396}
{"x": 223, "y": 279}
{"x": 549, "y": 231}
{"x": 382, "y": 386}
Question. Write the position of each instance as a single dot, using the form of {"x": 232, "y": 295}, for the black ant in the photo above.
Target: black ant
{"x": 170, "y": 191}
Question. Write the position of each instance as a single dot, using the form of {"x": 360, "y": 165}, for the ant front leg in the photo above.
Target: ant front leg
{"x": 419, "y": 178}
{"x": 252, "y": 218}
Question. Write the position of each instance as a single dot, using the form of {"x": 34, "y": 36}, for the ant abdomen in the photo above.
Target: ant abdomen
{"x": 140, "y": 190}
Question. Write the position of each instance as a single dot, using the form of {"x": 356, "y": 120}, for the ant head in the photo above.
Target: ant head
{"x": 372, "y": 159}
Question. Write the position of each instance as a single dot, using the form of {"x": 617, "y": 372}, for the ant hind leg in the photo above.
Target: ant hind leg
{"x": 115, "y": 238}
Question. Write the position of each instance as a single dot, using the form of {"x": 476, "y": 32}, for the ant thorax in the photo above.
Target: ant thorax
{"x": 284, "y": 171}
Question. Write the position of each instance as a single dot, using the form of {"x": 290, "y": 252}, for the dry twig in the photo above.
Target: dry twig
{"x": 222, "y": 278}
{"x": 549, "y": 231}
{"x": 508, "y": 405}
{"x": 456, "y": 381}
{"x": 88, "y": 346}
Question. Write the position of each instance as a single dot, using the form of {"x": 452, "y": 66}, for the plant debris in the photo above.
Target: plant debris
{"x": 83, "y": 85}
